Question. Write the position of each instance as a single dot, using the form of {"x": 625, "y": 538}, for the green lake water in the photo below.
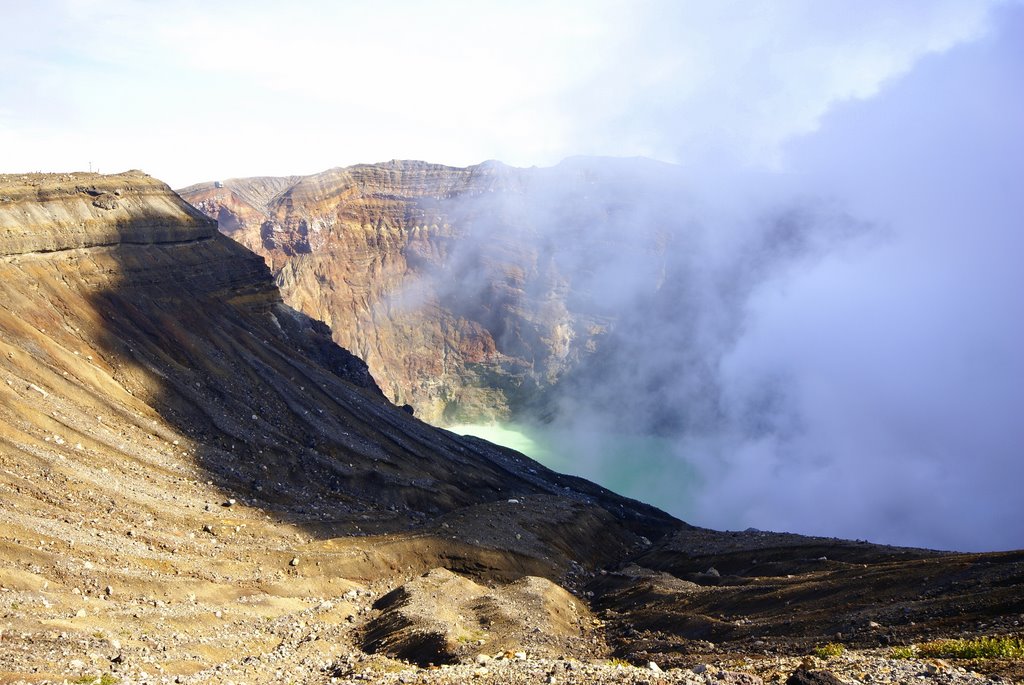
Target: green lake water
{"x": 643, "y": 467}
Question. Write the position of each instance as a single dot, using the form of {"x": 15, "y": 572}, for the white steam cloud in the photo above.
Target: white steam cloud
{"x": 834, "y": 348}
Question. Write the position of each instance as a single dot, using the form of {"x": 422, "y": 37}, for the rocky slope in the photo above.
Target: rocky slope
{"x": 199, "y": 486}
{"x": 449, "y": 281}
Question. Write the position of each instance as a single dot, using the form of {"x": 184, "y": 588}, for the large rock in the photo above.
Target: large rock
{"x": 442, "y": 617}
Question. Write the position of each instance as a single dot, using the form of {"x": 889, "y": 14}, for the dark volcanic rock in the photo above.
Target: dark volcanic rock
{"x": 776, "y": 589}
{"x": 804, "y": 676}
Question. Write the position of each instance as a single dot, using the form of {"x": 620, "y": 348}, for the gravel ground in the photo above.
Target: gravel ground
{"x": 854, "y": 668}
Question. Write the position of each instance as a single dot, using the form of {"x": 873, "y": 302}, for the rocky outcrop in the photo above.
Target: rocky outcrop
{"x": 48, "y": 216}
{"x": 442, "y": 618}
{"x": 449, "y": 282}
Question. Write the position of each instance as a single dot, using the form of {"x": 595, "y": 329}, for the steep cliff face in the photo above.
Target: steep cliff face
{"x": 449, "y": 282}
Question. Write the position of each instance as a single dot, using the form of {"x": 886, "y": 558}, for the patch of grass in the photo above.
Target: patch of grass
{"x": 619, "y": 663}
{"x": 466, "y": 638}
{"x": 105, "y": 679}
{"x": 829, "y": 650}
{"x": 977, "y": 648}
{"x": 903, "y": 652}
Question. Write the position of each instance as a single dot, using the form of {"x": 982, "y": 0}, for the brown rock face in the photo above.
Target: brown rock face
{"x": 441, "y": 278}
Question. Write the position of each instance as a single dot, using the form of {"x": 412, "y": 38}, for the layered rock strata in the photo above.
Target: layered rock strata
{"x": 449, "y": 282}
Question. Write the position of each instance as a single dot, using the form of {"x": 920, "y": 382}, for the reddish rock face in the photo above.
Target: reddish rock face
{"x": 457, "y": 286}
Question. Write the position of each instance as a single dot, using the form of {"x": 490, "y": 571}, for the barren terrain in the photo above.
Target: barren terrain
{"x": 198, "y": 486}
